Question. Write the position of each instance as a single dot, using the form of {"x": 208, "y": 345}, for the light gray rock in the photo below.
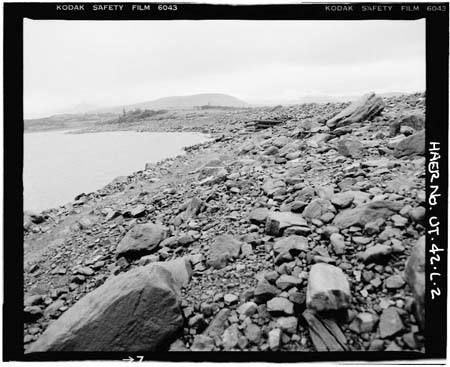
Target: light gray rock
{"x": 415, "y": 277}
{"x": 280, "y": 305}
{"x": 222, "y": 250}
{"x": 390, "y": 323}
{"x": 365, "y": 108}
{"x": 328, "y": 288}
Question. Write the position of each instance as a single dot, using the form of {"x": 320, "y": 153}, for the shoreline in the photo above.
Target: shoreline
{"x": 233, "y": 185}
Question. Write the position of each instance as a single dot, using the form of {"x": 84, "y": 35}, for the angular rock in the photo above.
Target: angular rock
{"x": 142, "y": 239}
{"x": 279, "y": 305}
{"x": 293, "y": 244}
{"x": 277, "y": 222}
{"x": 365, "y": 108}
{"x": 288, "y": 324}
{"x": 193, "y": 207}
{"x": 350, "y": 147}
{"x": 222, "y": 250}
{"x": 363, "y": 214}
{"x": 271, "y": 187}
{"x": 287, "y": 281}
{"x": 338, "y": 243}
{"x": 394, "y": 282}
{"x": 328, "y": 288}
{"x": 217, "y": 325}
{"x": 258, "y": 215}
{"x": 364, "y": 322}
{"x": 134, "y": 311}
{"x": 230, "y": 337}
{"x": 390, "y": 323}
{"x": 202, "y": 343}
{"x": 342, "y": 199}
{"x": 253, "y": 333}
{"x": 415, "y": 277}
{"x": 410, "y": 146}
{"x": 376, "y": 254}
{"x": 247, "y": 309}
{"x": 265, "y": 291}
{"x": 274, "y": 339}
{"x": 317, "y": 208}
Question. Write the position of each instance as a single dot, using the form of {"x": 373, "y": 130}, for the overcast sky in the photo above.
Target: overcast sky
{"x": 110, "y": 63}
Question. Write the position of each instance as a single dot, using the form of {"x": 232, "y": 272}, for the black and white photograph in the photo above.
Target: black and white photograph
{"x": 201, "y": 183}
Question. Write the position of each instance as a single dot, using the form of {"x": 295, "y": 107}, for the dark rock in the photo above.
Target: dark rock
{"x": 141, "y": 240}
{"x": 264, "y": 292}
{"x": 412, "y": 145}
{"x": 349, "y": 147}
{"x": 134, "y": 311}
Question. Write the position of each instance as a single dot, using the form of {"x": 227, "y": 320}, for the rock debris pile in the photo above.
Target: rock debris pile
{"x": 302, "y": 235}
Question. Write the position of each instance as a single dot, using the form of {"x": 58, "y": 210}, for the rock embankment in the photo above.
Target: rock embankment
{"x": 305, "y": 234}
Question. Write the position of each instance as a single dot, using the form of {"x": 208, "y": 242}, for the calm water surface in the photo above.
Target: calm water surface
{"x": 58, "y": 166}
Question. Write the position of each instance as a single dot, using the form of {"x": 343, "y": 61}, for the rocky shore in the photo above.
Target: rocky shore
{"x": 295, "y": 228}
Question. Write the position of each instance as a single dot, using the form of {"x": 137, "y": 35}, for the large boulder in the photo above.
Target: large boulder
{"x": 328, "y": 288}
{"x": 365, "y": 108}
{"x": 135, "y": 311}
{"x": 363, "y": 214}
{"x": 415, "y": 277}
{"x": 413, "y": 119}
{"x": 223, "y": 249}
{"x": 142, "y": 239}
{"x": 410, "y": 146}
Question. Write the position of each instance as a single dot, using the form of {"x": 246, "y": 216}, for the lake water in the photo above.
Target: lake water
{"x": 58, "y": 166}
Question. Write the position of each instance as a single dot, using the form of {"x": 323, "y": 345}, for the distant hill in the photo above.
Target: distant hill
{"x": 213, "y": 99}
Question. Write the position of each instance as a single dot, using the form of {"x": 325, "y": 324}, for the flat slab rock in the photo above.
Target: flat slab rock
{"x": 325, "y": 334}
{"x": 134, "y": 311}
{"x": 277, "y": 222}
{"x": 365, "y": 108}
{"x": 363, "y": 214}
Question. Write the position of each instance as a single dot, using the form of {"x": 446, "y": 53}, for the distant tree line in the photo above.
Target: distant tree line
{"x": 137, "y": 115}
